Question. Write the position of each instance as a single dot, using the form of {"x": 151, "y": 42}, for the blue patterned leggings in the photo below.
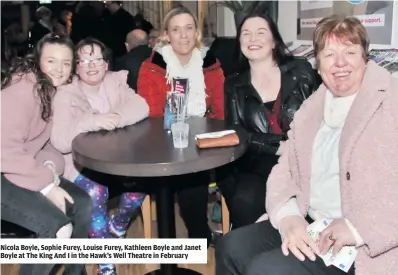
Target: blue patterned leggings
{"x": 101, "y": 226}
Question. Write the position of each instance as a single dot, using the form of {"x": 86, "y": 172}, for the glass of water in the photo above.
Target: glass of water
{"x": 180, "y": 132}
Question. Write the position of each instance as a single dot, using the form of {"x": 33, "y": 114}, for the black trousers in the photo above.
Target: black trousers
{"x": 192, "y": 197}
{"x": 244, "y": 195}
{"x": 35, "y": 212}
{"x": 256, "y": 250}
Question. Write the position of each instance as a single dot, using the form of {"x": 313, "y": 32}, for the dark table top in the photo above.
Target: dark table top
{"x": 146, "y": 150}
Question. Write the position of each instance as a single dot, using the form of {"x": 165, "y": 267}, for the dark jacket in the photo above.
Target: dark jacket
{"x": 142, "y": 24}
{"x": 245, "y": 110}
{"x": 37, "y": 32}
{"x": 120, "y": 24}
{"x": 225, "y": 49}
{"x": 88, "y": 23}
{"x": 131, "y": 62}
{"x": 152, "y": 85}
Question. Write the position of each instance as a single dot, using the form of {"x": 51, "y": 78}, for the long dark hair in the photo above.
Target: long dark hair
{"x": 281, "y": 53}
{"x": 31, "y": 64}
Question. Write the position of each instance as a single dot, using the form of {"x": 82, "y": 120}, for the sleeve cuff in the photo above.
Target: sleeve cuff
{"x": 116, "y": 112}
{"x": 290, "y": 208}
{"x": 358, "y": 239}
{"x": 50, "y": 164}
{"x": 280, "y": 149}
{"x": 47, "y": 189}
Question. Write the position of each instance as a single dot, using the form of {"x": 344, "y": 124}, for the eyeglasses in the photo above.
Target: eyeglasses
{"x": 86, "y": 63}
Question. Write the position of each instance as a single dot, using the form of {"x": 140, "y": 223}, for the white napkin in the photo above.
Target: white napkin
{"x": 215, "y": 134}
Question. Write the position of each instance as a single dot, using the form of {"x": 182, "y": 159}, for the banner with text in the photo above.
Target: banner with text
{"x": 376, "y": 16}
{"x": 97, "y": 251}
{"x": 372, "y": 20}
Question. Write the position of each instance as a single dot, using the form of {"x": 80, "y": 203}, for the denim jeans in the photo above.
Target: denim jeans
{"x": 33, "y": 211}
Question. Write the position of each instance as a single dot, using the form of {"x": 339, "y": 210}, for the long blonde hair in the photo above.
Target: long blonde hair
{"x": 163, "y": 40}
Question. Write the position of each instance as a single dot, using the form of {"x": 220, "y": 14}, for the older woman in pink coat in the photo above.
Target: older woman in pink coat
{"x": 339, "y": 163}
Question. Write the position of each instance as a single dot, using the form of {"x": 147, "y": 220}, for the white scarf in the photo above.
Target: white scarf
{"x": 196, "y": 80}
{"x": 336, "y": 109}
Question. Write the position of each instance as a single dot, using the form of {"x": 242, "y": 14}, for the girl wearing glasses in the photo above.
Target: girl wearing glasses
{"x": 97, "y": 100}
{"x": 32, "y": 194}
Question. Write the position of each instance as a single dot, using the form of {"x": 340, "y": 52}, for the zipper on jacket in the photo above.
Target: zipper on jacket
{"x": 156, "y": 71}
{"x": 205, "y": 70}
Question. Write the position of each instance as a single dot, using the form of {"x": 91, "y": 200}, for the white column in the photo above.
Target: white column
{"x": 287, "y": 20}
{"x": 201, "y": 12}
{"x": 225, "y": 22}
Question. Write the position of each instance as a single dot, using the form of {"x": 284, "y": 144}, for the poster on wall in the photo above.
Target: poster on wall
{"x": 315, "y": 4}
{"x": 376, "y": 16}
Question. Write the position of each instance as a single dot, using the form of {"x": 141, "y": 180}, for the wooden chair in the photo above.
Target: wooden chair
{"x": 225, "y": 216}
{"x": 146, "y": 210}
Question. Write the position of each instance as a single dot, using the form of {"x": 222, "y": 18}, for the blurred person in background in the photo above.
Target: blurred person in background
{"x": 142, "y": 23}
{"x": 89, "y": 20}
{"x": 120, "y": 23}
{"x": 138, "y": 51}
{"x": 153, "y": 38}
{"x": 66, "y": 20}
{"x": 42, "y": 26}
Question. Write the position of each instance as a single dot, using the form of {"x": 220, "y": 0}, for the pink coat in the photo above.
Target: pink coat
{"x": 73, "y": 114}
{"x": 25, "y": 137}
{"x": 368, "y": 168}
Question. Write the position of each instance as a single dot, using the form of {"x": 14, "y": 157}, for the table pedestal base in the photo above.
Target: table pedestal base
{"x": 166, "y": 228}
{"x": 176, "y": 271}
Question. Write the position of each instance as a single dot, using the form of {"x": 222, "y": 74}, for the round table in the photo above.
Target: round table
{"x": 146, "y": 150}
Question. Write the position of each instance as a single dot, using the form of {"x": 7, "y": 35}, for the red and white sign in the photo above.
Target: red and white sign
{"x": 370, "y": 20}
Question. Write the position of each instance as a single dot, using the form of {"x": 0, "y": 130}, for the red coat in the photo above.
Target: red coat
{"x": 152, "y": 86}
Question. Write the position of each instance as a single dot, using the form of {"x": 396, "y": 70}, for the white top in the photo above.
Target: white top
{"x": 98, "y": 101}
{"x": 325, "y": 200}
{"x": 325, "y": 196}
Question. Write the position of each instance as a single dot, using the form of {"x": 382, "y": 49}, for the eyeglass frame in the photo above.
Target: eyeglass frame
{"x": 85, "y": 63}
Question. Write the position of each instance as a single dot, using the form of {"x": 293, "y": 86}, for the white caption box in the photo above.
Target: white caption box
{"x": 97, "y": 251}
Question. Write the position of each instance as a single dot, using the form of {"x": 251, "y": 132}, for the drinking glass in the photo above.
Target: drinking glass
{"x": 180, "y": 132}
